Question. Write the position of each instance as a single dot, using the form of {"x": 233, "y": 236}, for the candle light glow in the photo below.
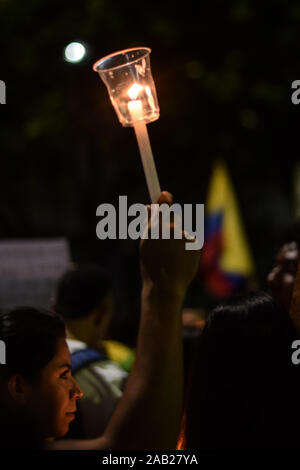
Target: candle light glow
{"x": 134, "y": 91}
{"x": 136, "y": 110}
{"x": 121, "y": 72}
{"x": 135, "y": 106}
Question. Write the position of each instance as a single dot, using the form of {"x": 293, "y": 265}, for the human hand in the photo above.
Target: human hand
{"x": 166, "y": 264}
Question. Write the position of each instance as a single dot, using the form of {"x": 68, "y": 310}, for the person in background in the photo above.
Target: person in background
{"x": 84, "y": 299}
{"x": 193, "y": 321}
{"x": 281, "y": 279}
{"x": 244, "y": 389}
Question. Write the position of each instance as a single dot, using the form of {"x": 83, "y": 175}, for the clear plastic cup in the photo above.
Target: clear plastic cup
{"x": 128, "y": 78}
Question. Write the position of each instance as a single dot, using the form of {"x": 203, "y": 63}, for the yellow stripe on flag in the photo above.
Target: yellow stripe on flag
{"x": 236, "y": 257}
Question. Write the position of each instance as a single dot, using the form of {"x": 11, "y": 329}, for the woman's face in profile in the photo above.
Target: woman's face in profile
{"x": 53, "y": 396}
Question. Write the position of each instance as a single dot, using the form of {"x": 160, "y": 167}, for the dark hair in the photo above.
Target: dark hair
{"x": 243, "y": 392}
{"x": 81, "y": 290}
{"x": 291, "y": 234}
{"x": 30, "y": 338}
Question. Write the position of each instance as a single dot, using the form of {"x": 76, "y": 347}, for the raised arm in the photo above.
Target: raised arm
{"x": 149, "y": 412}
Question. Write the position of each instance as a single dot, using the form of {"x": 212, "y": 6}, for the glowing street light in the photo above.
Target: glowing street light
{"x": 74, "y": 52}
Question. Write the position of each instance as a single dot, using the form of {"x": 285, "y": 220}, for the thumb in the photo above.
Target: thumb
{"x": 165, "y": 197}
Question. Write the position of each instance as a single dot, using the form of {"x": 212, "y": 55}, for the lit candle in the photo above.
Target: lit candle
{"x": 136, "y": 111}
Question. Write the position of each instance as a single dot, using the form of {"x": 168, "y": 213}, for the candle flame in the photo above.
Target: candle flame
{"x": 134, "y": 91}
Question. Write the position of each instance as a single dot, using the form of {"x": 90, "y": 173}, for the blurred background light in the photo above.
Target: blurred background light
{"x": 74, "y": 52}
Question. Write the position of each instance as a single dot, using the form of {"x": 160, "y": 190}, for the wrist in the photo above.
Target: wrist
{"x": 162, "y": 294}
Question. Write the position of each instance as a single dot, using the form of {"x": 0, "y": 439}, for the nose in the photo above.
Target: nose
{"x": 76, "y": 391}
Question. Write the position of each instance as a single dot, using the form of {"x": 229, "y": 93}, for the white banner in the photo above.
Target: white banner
{"x": 30, "y": 269}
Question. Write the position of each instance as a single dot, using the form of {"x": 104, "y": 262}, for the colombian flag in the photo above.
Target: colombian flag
{"x": 226, "y": 259}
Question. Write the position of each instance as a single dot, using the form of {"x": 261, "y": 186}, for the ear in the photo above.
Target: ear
{"x": 18, "y": 388}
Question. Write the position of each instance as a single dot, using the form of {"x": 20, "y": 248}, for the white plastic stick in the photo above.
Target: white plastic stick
{"x": 142, "y": 137}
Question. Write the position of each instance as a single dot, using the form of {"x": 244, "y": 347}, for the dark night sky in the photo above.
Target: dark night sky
{"x": 223, "y": 77}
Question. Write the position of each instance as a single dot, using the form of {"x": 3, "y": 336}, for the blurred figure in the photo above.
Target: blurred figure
{"x": 84, "y": 299}
{"x": 244, "y": 390}
{"x": 193, "y": 321}
{"x": 282, "y": 277}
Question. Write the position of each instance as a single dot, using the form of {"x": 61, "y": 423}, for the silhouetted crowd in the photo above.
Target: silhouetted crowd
{"x": 228, "y": 382}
